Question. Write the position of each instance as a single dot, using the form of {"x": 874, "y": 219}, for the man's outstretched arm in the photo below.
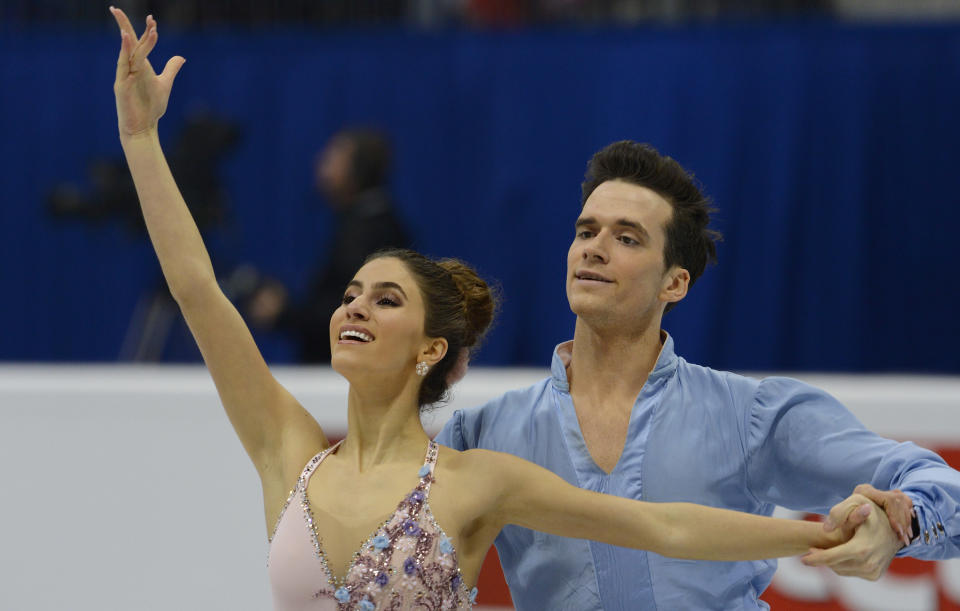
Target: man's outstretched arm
{"x": 808, "y": 452}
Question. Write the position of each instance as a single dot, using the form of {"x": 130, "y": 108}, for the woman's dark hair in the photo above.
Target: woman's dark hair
{"x": 689, "y": 243}
{"x": 459, "y": 307}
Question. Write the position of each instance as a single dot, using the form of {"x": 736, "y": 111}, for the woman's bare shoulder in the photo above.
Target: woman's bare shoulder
{"x": 479, "y": 469}
{"x": 476, "y": 458}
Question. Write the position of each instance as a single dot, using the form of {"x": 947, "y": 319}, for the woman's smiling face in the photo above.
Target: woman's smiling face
{"x": 379, "y": 327}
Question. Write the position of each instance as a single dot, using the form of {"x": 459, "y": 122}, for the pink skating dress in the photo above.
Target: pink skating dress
{"x": 408, "y": 563}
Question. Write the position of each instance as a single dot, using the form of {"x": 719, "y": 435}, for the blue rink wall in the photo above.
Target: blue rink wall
{"x": 830, "y": 151}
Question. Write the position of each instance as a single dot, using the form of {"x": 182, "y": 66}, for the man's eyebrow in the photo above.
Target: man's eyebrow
{"x": 633, "y": 225}
{"x": 586, "y": 221}
{"x": 379, "y": 285}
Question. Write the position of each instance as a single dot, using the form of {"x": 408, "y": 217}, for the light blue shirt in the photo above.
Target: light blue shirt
{"x": 702, "y": 436}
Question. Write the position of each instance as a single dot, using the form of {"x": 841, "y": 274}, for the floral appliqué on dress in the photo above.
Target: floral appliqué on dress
{"x": 407, "y": 563}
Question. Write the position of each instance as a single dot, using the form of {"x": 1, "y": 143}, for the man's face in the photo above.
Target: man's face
{"x": 615, "y": 268}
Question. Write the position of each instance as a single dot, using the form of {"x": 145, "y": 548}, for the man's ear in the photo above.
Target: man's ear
{"x": 676, "y": 281}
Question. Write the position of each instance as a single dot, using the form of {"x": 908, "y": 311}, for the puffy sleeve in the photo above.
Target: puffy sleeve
{"x": 806, "y": 451}
{"x": 452, "y": 433}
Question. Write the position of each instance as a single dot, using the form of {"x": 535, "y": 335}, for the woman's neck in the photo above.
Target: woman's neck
{"x": 383, "y": 425}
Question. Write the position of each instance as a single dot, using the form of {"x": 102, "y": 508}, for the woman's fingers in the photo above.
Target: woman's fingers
{"x": 123, "y": 62}
{"x": 172, "y": 68}
{"x": 147, "y": 42}
{"x": 897, "y": 505}
{"x": 123, "y": 22}
{"x": 144, "y": 38}
{"x": 128, "y": 42}
{"x": 133, "y": 49}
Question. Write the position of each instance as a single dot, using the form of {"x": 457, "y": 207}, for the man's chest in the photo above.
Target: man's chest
{"x": 670, "y": 455}
{"x": 604, "y": 432}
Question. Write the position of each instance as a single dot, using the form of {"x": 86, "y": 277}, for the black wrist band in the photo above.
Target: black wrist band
{"x": 915, "y": 526}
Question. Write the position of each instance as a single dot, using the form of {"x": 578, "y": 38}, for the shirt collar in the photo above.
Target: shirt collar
{"x": 666, "y": 363}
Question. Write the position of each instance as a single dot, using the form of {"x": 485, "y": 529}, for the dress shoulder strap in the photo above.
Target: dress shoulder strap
{"x": 429, "y": 465}
{"x": 314, "y": 462}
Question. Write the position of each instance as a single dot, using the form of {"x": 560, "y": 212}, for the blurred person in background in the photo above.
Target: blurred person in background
{"x": 352, "y": 174}
{"x": 401, "y": 336}
{"x": 623, "y": 414}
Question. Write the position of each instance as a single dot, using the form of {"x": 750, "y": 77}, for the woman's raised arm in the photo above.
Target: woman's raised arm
{"x": 265, "y": 416}
{"x": 535, "y": 498}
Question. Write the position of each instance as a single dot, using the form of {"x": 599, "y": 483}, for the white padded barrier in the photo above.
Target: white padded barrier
{"x": 124, "y": 487}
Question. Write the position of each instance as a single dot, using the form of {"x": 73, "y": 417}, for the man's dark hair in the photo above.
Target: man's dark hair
{"x": 689, "y": 243}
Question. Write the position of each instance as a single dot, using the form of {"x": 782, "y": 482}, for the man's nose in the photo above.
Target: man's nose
{"x": 595, "y": 250}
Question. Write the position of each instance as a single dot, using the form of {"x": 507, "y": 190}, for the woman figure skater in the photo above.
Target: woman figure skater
{"x": 386, "y": 519}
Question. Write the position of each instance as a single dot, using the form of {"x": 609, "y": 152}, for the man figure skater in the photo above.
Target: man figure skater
{"x": 622, "y": 414}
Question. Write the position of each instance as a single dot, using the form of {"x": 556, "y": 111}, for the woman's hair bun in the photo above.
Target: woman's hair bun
{"x": 478, "y": 299}
{"x": 458, "y": 306}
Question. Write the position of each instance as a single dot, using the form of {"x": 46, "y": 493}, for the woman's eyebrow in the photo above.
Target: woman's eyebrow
{"x": 390, "y": 285}
{"x": 379, "y": 285}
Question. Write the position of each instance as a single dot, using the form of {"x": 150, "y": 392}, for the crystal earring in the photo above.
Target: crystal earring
{"x": 422, "y": 368}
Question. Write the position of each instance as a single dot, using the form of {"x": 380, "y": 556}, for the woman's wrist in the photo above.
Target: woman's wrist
{"x": 824, "y": 539}
{"x": 149, "y": 133}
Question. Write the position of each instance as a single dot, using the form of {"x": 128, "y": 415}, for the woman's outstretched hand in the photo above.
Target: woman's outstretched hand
{"x": 141, "y": 94}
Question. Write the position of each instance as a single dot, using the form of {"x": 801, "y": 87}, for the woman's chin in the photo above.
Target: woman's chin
{"x": 350, "y": 364}
{"x": 366, "y": 371}
{"x": 343, "y": 363}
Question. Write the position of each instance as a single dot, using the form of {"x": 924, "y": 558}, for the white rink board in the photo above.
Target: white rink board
{"x": 125, "y": 488}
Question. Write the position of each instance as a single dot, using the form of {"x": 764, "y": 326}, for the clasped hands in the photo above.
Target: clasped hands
{"x": 879, "y": 522}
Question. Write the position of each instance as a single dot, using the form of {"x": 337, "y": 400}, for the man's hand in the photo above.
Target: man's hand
{"x": 869, "y": 552}
{"x": 897, "y": 505}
